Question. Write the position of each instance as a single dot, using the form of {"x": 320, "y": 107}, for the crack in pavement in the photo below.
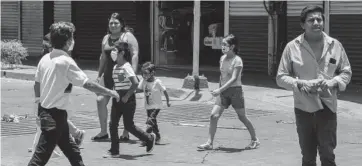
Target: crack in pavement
{"x": 204, "y": 158}
{"x": 206, "y": 126}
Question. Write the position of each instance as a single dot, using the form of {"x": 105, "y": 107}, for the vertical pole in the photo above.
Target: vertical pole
{"x": 196, "y": 43}
{"x": 226, "y": 15}
{"x": 156, "y": 33}
{"x": 19, "y": 20}
{"x": 152, "y": 30}
{"x": 271, "y": 40}
{"x": 326, "y": 16}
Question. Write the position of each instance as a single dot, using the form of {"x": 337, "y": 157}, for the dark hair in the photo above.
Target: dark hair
{"x": 47, "y": 37}
{"x": 149, "y": 67}
{"x": 232, "y": 40}
{"x": 310, "y": 9}
{"x": 123, "y": 46}
{"x": 124, "y": 28}
{"x": 60, "y": 33}
{"x": 46, "y": 43}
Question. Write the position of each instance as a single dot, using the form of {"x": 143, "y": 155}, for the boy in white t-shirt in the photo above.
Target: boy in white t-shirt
{"x": 153, "y": 89}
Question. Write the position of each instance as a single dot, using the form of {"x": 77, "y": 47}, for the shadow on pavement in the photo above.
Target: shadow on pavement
{"x": 132, "y": 157}
{"x": 229, "y": 150}
{"x": 102, "y": 140}
{"x": 109, "y": 140}
{"x": 131, "y": 142}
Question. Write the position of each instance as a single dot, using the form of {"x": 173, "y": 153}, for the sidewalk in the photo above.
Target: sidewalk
{"x": 279, "y": 146}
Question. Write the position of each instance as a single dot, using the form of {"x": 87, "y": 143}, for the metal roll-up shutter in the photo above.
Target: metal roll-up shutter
{"x": 294, "y": 8}
{"x": 91, "y": 21}
{"x": 249, "y": 22}
{"x": 32, "y": 26}
{"x": 10, "y": 20}
{"x": 62, "y": 11}
{"x": 346, "y": 26}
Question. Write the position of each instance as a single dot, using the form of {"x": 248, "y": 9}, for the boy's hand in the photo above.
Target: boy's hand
{"x": 168, "y": 104}
{"x": 125, "y": 98}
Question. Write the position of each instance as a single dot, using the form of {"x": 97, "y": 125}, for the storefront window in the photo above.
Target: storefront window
{"x": 176, "y": 32}
{"x": 211, "y": 32}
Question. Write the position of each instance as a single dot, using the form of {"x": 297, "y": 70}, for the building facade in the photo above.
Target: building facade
{"x": 165, "y": 29}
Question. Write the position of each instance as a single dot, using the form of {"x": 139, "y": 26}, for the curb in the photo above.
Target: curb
{"x": 17, "y": 75}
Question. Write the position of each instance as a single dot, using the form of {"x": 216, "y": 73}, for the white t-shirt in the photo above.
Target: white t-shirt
{"x": 121, "y": 75}
{"x": 153, "y": 93}
{"x": 227, "y": 67}
{"x": 55, "y": 71}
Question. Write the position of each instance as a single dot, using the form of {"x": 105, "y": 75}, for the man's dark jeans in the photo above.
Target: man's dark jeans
{"x": 127, "y": 110}
{"x": 317, "y": 131}
{"x": 152, "y": 122}
{"x": 55, "y": 131}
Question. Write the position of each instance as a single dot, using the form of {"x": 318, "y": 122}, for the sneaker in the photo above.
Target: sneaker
{"x": 253, "y": 144}
{"x": 151, "y": 145}
{"x": 205, "y": 146}
{"x": 158, "y": 138}
{"x": 124, "y": 138}
{"x": 158, "y": 141}
{"x": 109, "y": 154}
{"x": 143, "y": 143}
{"x": 80, "y": 137}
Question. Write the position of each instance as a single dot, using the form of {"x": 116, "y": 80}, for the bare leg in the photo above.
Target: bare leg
{"x": 243, "y": 118}
{"x": 102, "y": 102}
{"x": 125, "y": 133}
{"x": 214, "y": 118}
{"x": 72, "y": 129}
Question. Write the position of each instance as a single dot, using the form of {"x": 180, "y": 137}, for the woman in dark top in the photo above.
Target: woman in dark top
{"x": 118, "y": 31}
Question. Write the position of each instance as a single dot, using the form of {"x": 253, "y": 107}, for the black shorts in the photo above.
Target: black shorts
{"x": 232, "y": 96}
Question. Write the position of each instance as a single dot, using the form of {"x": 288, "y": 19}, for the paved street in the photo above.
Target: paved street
{"x": 184, "y": 126}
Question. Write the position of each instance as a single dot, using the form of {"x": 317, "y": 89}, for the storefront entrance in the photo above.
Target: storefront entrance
{"x": 173, "y": 33}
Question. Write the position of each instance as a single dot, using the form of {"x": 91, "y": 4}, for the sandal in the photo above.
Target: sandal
{"x": 97, "y": 137}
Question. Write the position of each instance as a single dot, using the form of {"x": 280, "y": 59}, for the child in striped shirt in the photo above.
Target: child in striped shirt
{"x": 125, "y": 83}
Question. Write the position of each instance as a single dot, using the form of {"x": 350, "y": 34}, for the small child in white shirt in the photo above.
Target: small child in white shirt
{"x": 153, "y": 89}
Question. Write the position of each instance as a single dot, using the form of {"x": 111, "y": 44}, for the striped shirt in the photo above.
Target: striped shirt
{"x": 121, "y": 75}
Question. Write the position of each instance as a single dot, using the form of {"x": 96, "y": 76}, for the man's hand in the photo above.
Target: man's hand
{"x": 303, "y": 86}
{"x": 115, "y": 95}
{"x": 328, "y": 84}
{"x": 309, "y": 86}
{"x": 168, "y": 104}
{"x": 98, "y": 79}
